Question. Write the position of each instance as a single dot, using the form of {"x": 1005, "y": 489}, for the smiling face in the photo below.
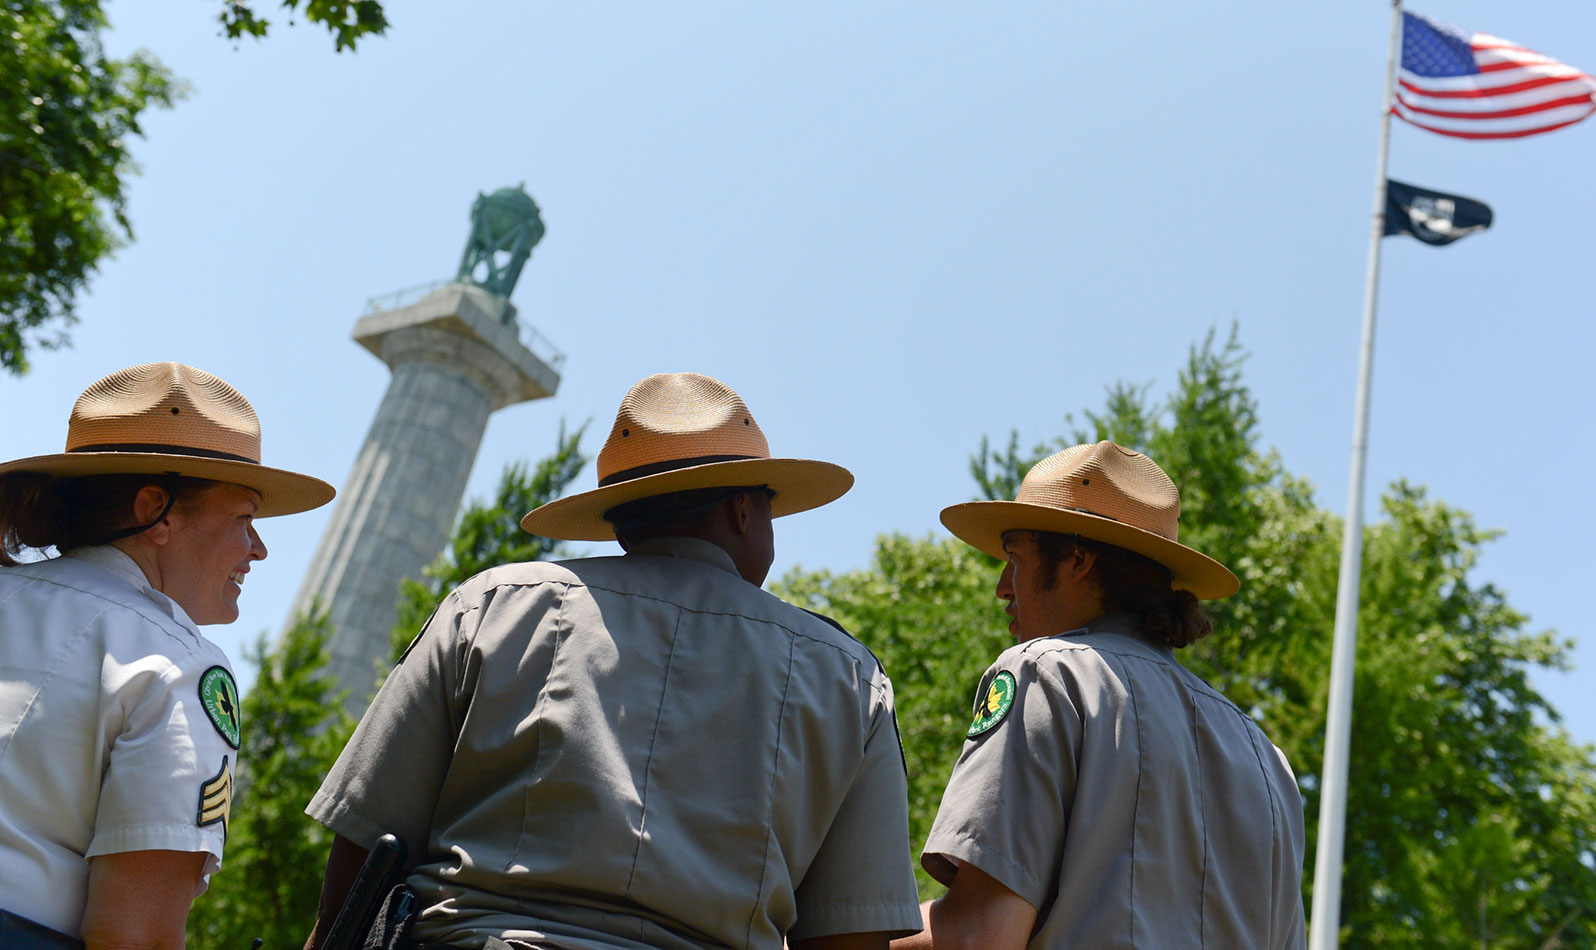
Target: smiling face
{"x": 1040, "y": 605}
{"x": 211, "y": 544}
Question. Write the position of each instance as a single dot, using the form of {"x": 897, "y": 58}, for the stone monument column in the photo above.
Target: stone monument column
{"x": 456, "y": 355}
{"x": 454, "y": 362}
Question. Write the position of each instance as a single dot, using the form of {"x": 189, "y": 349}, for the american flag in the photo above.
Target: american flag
{"x": 1478, "y": 86}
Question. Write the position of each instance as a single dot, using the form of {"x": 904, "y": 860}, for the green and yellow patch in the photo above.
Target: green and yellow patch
{"x": 219, "y": 695}
{"x": 994, "y": 705}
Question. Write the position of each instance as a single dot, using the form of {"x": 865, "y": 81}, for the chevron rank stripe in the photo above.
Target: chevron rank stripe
{"x": 216, "y": 799}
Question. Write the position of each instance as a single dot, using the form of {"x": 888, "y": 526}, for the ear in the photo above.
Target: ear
{"x": 1080, "y": 563}
{"x": 147, "y": 504}
{"x": 741, "y": 511}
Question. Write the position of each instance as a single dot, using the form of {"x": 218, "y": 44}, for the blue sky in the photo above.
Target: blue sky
{"x": 893, "y": 227}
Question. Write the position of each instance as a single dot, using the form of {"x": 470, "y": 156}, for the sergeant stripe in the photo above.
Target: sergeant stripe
{"x": 216, "y": 799}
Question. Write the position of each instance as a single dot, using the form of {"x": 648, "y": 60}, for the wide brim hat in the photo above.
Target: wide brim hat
{"x": 172, "y": 419}
{"x": 679, "y": 432}
{"x": 1101, "y": 492}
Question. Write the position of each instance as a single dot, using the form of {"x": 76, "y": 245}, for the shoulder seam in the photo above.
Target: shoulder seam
{"x": 572, "y": 580}
{"x": 140, "y": 606}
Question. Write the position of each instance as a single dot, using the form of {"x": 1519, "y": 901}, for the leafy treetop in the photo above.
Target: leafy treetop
{"x": 348, "y": 20}
{"x": 68, "y": 114}
{"x": 1471, "y": 816}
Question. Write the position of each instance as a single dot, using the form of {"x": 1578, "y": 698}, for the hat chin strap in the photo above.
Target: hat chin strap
{"x": 173, "y": 479}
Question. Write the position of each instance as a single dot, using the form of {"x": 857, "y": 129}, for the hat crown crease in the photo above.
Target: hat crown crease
{"x": 679, "y": 417}
{"x": 165, "y": 405}
{"x": 1108, "y": 481}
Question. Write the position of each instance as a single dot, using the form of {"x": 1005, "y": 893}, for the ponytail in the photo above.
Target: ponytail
{"x": 1179, "y": 621}
{"x": 1134, "y": 584}
{"x": 41, "y": 511}
{"x": 28, "y": 513}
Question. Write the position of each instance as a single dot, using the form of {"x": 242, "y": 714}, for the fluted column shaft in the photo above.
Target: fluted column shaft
{"x": 453, "y": 364}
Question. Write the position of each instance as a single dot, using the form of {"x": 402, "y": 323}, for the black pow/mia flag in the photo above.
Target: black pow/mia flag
{"x": 1433, "y": 217}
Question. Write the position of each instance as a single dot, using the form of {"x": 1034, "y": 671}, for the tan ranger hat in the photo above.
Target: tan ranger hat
{"x": 1101, "y": 492}
{"x": 677, "y": 432}
{"x": 167, "y": 418}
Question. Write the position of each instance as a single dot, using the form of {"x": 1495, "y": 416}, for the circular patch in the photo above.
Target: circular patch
{"x": 994, "y": 705}
{"x": 219, "y": 695}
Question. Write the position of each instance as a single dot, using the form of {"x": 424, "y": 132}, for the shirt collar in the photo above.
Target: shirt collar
{"x": 114, "y": 561}
{"x": 693, "y": 549}
{"x": 1116, "y": 623}
{"x": 1128, "y": 625}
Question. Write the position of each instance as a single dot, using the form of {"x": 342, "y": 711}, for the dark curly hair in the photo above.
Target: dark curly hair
{"x": 1130, "y": 583}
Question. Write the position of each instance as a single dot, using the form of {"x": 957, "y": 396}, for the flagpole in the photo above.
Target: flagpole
{"x": 1325, "y": 921}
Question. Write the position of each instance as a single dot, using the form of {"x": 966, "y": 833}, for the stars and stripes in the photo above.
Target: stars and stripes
{"x": 1477, "y": 86}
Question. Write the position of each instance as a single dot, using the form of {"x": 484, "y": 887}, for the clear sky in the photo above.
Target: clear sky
{"x": 893, "y": 227}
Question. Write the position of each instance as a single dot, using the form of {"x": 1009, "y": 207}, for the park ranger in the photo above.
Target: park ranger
{"x": 119, "y": 720}
{"x": 1105, "y": 796}
{"x": 645, "y": 751}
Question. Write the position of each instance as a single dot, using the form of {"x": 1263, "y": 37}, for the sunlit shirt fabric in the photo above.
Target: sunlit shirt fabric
{"x": 634, "y": 752}
{"x": 104, "y": 743}
{"x": 1125, "y": 799}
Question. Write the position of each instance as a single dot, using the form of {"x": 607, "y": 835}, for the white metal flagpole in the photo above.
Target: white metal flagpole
{"x": 1325, "y": 921}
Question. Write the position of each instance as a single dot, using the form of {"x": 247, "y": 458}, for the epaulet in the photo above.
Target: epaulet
{"x": 833, "y": 622}
{"x": 844, "y": 631}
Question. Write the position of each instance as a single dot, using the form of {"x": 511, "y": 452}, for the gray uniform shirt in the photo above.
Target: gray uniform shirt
{"x": 1126, "y": 799}
{"x": 644, "y": 751}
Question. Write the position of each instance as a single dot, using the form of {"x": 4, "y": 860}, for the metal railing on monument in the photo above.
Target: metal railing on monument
{"x": 541, "y": 346}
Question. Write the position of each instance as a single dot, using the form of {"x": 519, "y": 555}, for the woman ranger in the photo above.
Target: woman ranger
{"x": 119, "y": 724}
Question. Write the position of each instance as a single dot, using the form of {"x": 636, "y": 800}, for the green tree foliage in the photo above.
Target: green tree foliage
{"x": 489, "y": 534}
{"x": 66, "y": 115}
{"x": 1451, "y": 759}
{"x": 294, "y": 727}
{"x": 348, "y": 20}
{"x": 1471, "y": 816}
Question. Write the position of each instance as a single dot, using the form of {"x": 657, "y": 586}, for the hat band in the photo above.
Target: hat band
{"x": 1094, "y": 514}
{"x": 1088, "y": 511}
{"x": 669, "y": 465}
{"x": 156, "y": 448}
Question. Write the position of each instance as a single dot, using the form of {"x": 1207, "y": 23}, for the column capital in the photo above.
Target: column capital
{"x": 461, "y": 326}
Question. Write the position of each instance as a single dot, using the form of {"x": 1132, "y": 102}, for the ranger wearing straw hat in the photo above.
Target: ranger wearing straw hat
{"x": 647, "y": 750}
{"x": 119, "y": 721}
{"x": 1105, "y": 796}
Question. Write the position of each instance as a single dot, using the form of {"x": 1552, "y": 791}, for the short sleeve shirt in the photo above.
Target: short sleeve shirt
{"x": 105, "y": 742}
{"x": 644, "y": 751}
{"x": 1124, "y": 798}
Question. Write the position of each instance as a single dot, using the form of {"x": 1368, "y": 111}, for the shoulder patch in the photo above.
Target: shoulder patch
{"x": 219, "y": 695}
{"x": 216, "y": 799}
{"x": 991, "y": 708}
